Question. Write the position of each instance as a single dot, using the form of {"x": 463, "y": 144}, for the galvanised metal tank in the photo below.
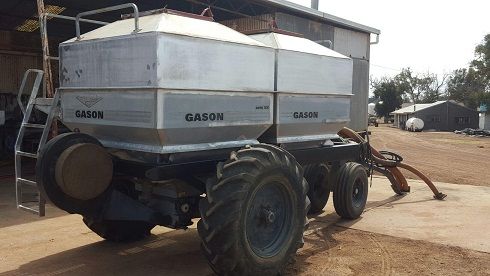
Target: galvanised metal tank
{"x": 313, "y": 87}
{"x": 183, "y": 84}
{"x": 178, "y": 84}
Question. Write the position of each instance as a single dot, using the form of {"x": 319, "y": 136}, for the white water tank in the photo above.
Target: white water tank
{"x": 371, "y": 110}
{"x": 414, "y": 124}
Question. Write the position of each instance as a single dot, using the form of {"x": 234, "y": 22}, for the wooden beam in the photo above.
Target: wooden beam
{"x": 48, "y": 78}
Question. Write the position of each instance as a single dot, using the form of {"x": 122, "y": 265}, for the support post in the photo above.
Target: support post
{"x": 48, "y": 77}
{"x": 314, "y": 4}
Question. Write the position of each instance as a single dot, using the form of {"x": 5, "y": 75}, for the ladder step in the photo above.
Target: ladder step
{"x": 26, "y": 154}
{"x": 44, "y": 101}
{"x": 33, "y": 125}
{"x": 27, "y": 182}
{"x": 29, "y": 209}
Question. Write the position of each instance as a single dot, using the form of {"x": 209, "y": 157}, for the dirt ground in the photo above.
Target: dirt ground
{"x": 341, "y": 251}
{"x": 442, "y": 156}
{"x": 328, "y": 250}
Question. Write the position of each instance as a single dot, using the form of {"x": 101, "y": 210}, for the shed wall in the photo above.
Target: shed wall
{"x": 352, "y": 44}
{"x": 443, "y": 117}
{"x": 18, "y": 52}
{"x": 360, "y": 89}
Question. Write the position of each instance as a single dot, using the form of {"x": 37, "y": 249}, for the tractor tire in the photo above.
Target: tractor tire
{"x": 351, "y": 191}
{"x": 254, "y": 214}
{"x": 318, "y": 178}
{"x": 120, "y": 231}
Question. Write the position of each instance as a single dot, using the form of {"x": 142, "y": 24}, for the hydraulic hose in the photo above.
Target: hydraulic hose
{"x": 401, "y": 181}
{"x": 392, "y": 166}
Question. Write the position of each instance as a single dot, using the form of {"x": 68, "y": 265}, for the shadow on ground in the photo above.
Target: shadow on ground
{"x": 171, "y": 253}
{"x": 9, "y": 215}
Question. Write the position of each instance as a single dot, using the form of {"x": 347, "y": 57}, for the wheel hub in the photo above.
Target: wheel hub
{"x": 268, "y": 220}
{"x": 357, "y": 193}
{"x": 269, "y": 216}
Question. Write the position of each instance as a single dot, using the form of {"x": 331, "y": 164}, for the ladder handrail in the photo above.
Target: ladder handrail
{"x": 20, "y": 181}
{"x": 108, "y": 9}
{"x": 22, "y": 85}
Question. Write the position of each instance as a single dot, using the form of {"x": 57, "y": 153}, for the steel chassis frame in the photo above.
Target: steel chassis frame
{"x": 156, "y": 172}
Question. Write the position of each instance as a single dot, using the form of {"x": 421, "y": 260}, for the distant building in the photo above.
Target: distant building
{"x": 441, "y": 115}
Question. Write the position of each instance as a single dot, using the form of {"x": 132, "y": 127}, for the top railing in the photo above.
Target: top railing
{"x": 108, "y": 9}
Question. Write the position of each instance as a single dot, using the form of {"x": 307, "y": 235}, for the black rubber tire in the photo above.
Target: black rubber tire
{"x": 320, "y": 186}
{"x": 120, "y": 231}
{"x": 227, "y": 207}
{"x": 348, "y": 203}
{"x": 45, "y": 174}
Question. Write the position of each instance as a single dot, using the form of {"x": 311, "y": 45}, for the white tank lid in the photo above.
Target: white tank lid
{"x": 296, "y": 44}
{"x": 171, "y": 24}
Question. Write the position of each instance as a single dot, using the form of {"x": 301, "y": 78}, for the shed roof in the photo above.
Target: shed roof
{"x": 324, "y": 16}
{"x": 416, "y": 107}
{"x": 21, "y": 15}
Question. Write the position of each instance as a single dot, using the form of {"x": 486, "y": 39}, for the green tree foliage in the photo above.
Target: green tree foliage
{"x": 466, "y": 86}
{"x": 481, "y": 63}
{"x": 389, "y": 96}
{"x": 420, "y": 88}
{"x": 471, "y": 86}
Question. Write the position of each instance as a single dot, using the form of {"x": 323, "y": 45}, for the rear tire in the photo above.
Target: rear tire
{"x": 318, "y": 177}
{"x": 254, "y": 215}
{"x": 117, "y": 230}
{"x": 351, "y": 191}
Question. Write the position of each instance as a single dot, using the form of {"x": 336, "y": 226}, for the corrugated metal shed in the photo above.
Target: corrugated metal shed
{"x": 351, "y": 43}
{"x": 440, "y": 115}
{"x": 338, "y": 21}
{"x": 416, "y": 107}
{"x": 12, "y": 70}
{"x": 360, "y": 89}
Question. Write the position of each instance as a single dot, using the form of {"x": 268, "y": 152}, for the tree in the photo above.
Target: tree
{"x": 466, "y": 86}
{"x": 409, "y": 84}
{"x": 388, "y": 94}
{"x": 420, "y": 88}
{"x": 481, "y": 63}
{"x": 432, "y": 87}
{"x": 471, "y": 85}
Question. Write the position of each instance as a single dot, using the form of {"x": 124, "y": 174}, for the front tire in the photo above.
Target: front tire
{"x": 351, "y": 191}
{"x": 254, "y": 215}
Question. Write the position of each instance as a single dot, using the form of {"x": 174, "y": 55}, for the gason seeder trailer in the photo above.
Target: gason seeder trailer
{"x": 174, "y": 117}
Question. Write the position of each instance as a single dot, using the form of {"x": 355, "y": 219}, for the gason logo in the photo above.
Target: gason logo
{"x": 89, "y": 102}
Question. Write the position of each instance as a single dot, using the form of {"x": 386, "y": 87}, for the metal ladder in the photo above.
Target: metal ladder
{"x": 49, "y": 106}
